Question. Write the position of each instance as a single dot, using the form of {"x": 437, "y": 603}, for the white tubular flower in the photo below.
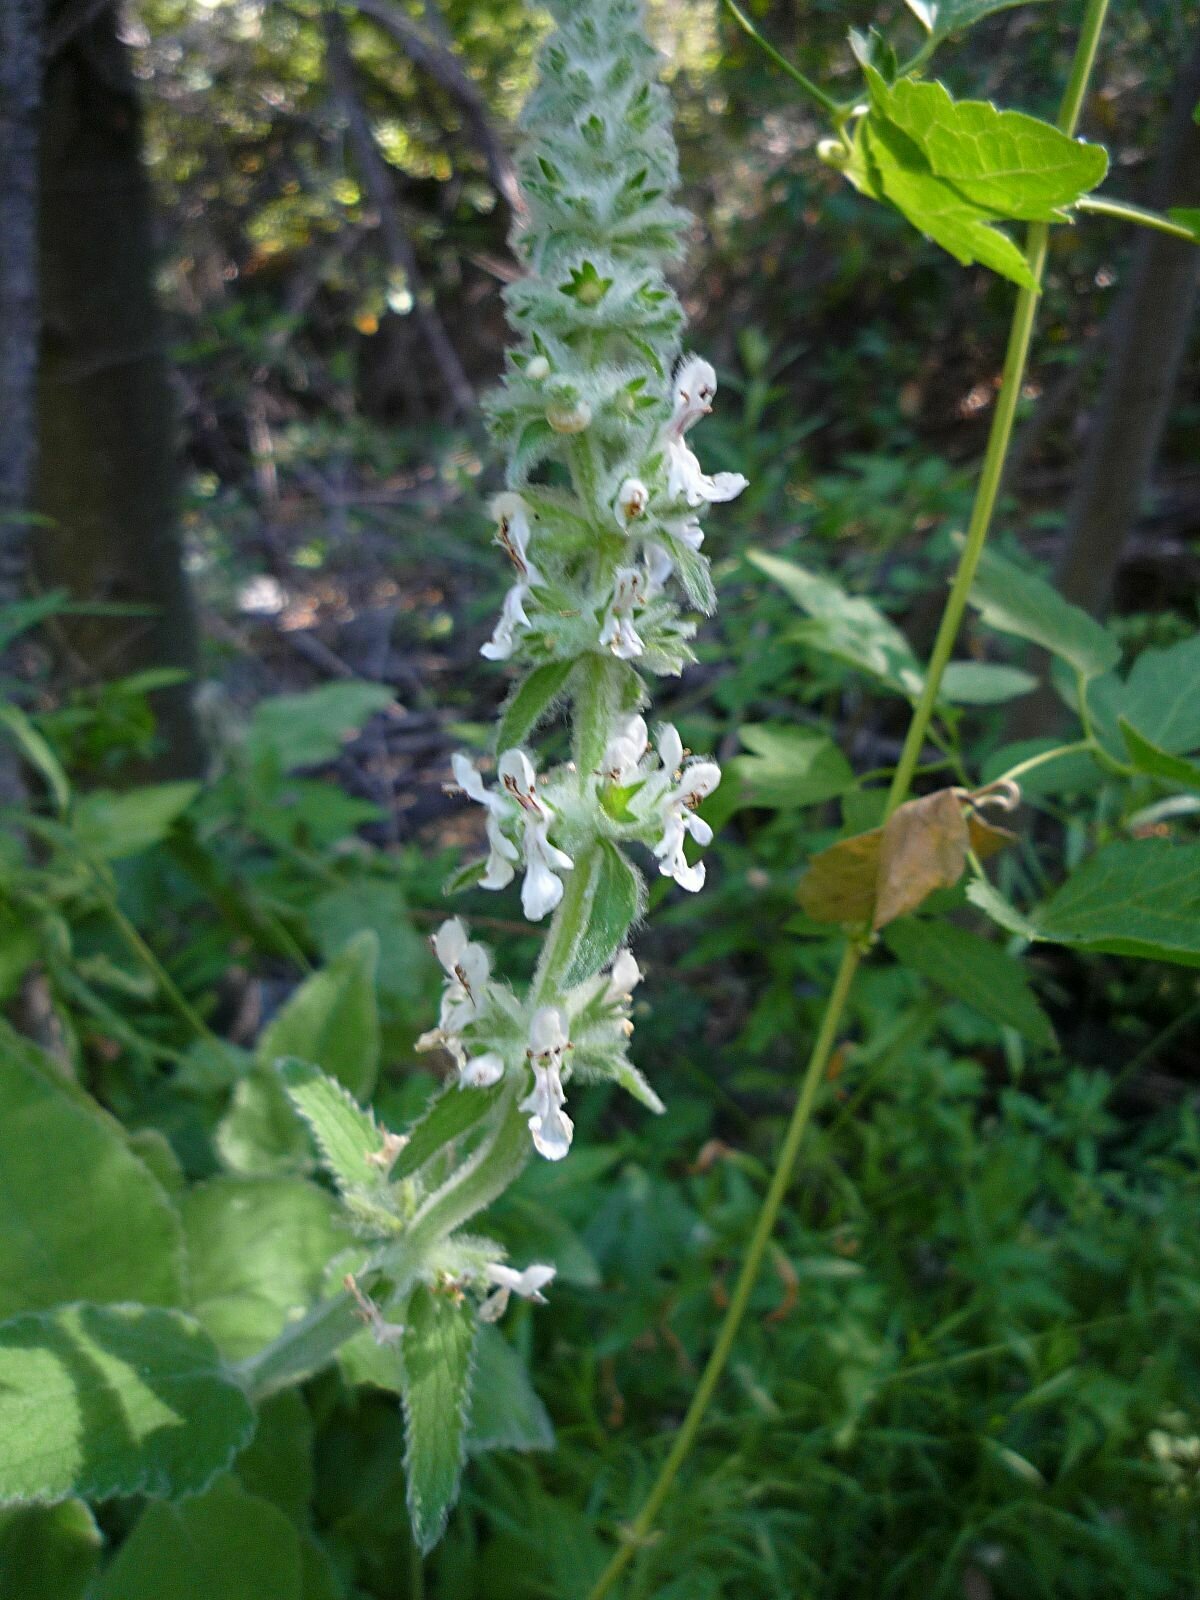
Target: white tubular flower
{"x": 481, "y": 1071}
{"x": 468, "y": 968}
{"x": 632, "y": 499}
{"x": 623, "y": 757}
{"x": 618, "y": 633}
{"x": 549, "y": 1124}
{"x": 623, "y": 979}
{"x": 529, "y": 1284}
{"x": 542, "y": 888}
{"x": 512, "y": 616}
{"x": 502, "y": 852}
{"x": 659, "y": 568}
{"x": 697, "y": 780}
{"x": 695, "y": 386}
{"x": 513, "y": 532}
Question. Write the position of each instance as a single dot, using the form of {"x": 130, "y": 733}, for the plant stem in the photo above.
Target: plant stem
{"x": 811, "y": 89}
{"x": 1077, "y": 747}
{"x": 981, "y": 517}
{"x": 747, "y": 1276}
{"x": 1098, "y": 206}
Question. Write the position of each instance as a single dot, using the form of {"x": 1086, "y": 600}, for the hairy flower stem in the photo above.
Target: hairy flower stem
{"x": 991, "y": 474}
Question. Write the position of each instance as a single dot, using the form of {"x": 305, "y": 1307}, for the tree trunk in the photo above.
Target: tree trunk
{"x": 20, "y": 88}
{"x": 107, "y": 473}
{"x": 1151, "y": 339}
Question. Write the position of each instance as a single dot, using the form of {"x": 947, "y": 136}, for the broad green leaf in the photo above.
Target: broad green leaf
{"x": 333, "y": 1020}
{"x": 607, "y": 901}
{"x": 261, "y": 1134}
{"x": 110, "y": 826}
{"x": 1005, "y": 162}
{"x": 407, "y": 972}
{"x": 48, "y": 1552}
{"x": 942, "y": 17}
{"x": 890, "y": 165}
{"x": 223, "y": 1545}
{"x": 506, "y": 1413}
{"x": 844, "y": 626}
{"x": 1134, "y": 899}
{"x": 277, "y": 1464}
{"x": 790, "y": 767}
{"x": 992, "y": 903}
{"x": 1159, "y": 763}
{"x": 99, "y": 1401}
{"x": 1160, "y": 699}
{"x": 436, "y": 1353}
{"x": 80, "y": 1215}
{"x": 1014, "y": 601}
{"x": 531, "y": 701}
{"x": 307, "y": 730}
{"x": 984, "y": 683}
{"x": 973, "y": 970}
{"x": 346, "y": 1135}
{"x": 258, "y": 1249}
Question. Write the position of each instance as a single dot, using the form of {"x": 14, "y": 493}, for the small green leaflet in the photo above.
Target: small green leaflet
{"x": 99, "y": 1401}
{"x": 603, "y": 897}
{"x": 984, "y": 683}
{"x": 1014, "y": 601}
{"x": 506, "y": 1413}
{"x": 346, "y": 1135}
{"x": 1133, "y": 898}
{"x": 292, "y": 731}
{"x": 1160, "y": 699}
{"x": 1008, "y": 163}
{"x": 452, "y": 1113}
{"x": 1187, "y": 217}
{"x": 789, "y": 767}
{"x": 973, "y": 970}
{"x": 110, "y": 826}
{"x": 941, "y": 17}
{"x": 333, "y": 1019}
{"x": 1158, "y": 763}
{"x": 436, "y": 1355}
{"x": 844, "y": 626}
{"x": 48, "y": 1552}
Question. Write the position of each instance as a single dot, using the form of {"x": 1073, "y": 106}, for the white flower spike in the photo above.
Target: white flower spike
{"x": 542, "y": 888}
{"x": 696, "y": 782}
{"x": 549, "y": 1124}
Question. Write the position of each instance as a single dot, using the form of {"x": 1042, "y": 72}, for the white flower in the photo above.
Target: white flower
{"x": 468, "y": 968}
{"x": 513, "y": 533}
{"x": 697, "y": 780}
{"x": 528, "y": 1284}
{"x": 618, "y": 633}
{"x": 512, "y": 616}
{"x": 694, "y": 388}
{"x": 549, "y": 1124}
{"x": 623, "y": 979}
{"x": 632, "y": 499}
{"x": 659, "y": 567}
{"x": 502, "y": 852}
{"x": 482, "y": 1071}
{"x": 623, "y": 757}
{"x": 542, "y": 888}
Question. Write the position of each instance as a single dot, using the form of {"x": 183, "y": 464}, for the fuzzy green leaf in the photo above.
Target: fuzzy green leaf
{"x": 973, "y": 970}
{"x": 605, "y": 899}
{"x": 436, "y": 1352}
{"x": 1134, "y": 899}
{"x": 346, "y": 1135}
{"x": 984, "y": 683}
{"x": 79, "y": 1213}
{"x": 113, "y": 1400}
{"x": 290, "y": 731}
{"x": 1158, "y": 763}
{"x": 333, "y": 1019}
{"x": 531, "y": 701}
{"x": 109, "y": 826}
{"x": 1005, "y": 162}
{"x": 451, "y": 1114}
{"x": 790, "y": 767}
{"x": 1160, "y": 699}
{"x": 224, "y": 1545}
{"x": 258, "y": 1249}
{"x": 261, "y": 1133}
{"x": 1015, "y": 601}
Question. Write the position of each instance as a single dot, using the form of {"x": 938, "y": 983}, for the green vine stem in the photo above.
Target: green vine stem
{"x": 991, "y": 473}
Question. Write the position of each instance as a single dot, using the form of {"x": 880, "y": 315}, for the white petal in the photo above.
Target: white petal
{"x": 469, "y": 780}
{"x": 482, "y": 1071}
{"x": 552, "y": 1134}
{"x": 541, "y": 891}
{"x": 689, "y": 878}
{"x": 694, "y": 387}
{"x": 529, "y": 1283}
{"x": 624, "y": 977}
{"x": 698, "y": 780}
{"x": 512, "y": 616}
{"x": 699, "y": 830}
{"x": 548, "y": 1031}
{"x": 724, "y": 486}
{"x": 450, "y": 944}
{"x": 517, "y": 773}
{"x": 670, "y": 747}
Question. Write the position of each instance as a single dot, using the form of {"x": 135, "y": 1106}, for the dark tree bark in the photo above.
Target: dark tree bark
{"x": 1151, "y": 338}
{"x": 107, "y": 475}
{"x": 377, "y": 182}
{"x": 20, "y": 91}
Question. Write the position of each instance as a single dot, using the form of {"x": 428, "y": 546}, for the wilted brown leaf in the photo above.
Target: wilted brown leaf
{"x": 875, "y": 877}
